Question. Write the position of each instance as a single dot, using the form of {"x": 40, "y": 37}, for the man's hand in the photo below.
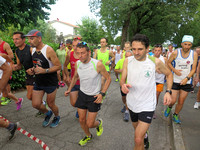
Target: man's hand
{"x": 178, "y": 72}
{"x": 67, "y": 93}
{"x": 167, "y": 99}
{"x": 99, "y": 98}
{"x": 30, "y": 71}
{"x": 184, "y": 81}
{"x": 125, "y": 88}
{"x": 39, "y": 70}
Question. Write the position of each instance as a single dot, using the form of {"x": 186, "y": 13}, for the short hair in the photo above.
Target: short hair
{"x": 105, "y": 39}
{"x": 198, "y": 47}
{"x": 141, "y": 38}
{"x": 158, "y": 45}
{"x": 127, "y": 42}
{"x": 170, "y": 45}
{"x": 68, "y": 41}
{"x": 83, "y": 45}
{"x": 21, "y": 34}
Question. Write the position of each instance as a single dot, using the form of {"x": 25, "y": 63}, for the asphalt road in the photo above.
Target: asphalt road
{"x": 117, "y": 135}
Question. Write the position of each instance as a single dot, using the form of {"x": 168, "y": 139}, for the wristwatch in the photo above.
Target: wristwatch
{"x": 169, "y": 91}
{"x": 103, "y": 94}
{"x": 188, "y": 78}
{"x": 47, "y": 70}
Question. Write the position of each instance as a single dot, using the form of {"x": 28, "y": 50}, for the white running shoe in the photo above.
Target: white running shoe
{"x": 196, "y": 105}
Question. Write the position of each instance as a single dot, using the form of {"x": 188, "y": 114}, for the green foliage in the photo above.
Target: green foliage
{"x": 159, "y": 20}
{"x": 23, "y": 12}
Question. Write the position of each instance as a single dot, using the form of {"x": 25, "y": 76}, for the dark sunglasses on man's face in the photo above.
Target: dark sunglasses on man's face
{"x": 77, "y": 38}
{"x": 158, "y": 45}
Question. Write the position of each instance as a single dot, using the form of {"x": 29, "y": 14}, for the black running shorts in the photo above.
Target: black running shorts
{"x": 145, "y": 116}
{"x": 187, "y": 87}
{"x": 87, "y": 102}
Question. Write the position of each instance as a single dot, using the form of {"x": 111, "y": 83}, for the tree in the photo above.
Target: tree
{"x": 158, "y": 19}
{"x": 88, "y": 30}
{"x": 23, "y": 12}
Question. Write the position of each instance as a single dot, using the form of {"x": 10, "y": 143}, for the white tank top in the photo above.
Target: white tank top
{"x": 184, "y": 64}
{"x": 117, "y": 56}
{"x": 141, "y": 75}
{"x": 90, "y": 80}
{"x": 160, "y": 78}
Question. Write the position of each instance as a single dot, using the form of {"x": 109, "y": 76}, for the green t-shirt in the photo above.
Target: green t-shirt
{"x": 61, "y": 55}
{"x": 104, "y": 57}
{"x": 119, "y": 66}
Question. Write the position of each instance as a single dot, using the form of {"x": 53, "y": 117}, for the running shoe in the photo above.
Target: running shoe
{"x": 77, "y": 116}
{"x": 39, "y": 113}
{"x": 85, "y": 140}
{"x": 196, "y": 105}
{"x": 116, "y": 80}
{"x": 3, "y": 99}
{"x": 55, "y": 122}
{"x": 6, "y": 101}
{"x": 100, "y": 128}
{"x": 19, "y": 103}
{"x": 59, "y": 84}
{"x": 146, "y": 141}
{"x": 47, "y": 118}
{"x": 176, "y": 119}
{"x": 123, "y": 109}
{"x": 126, "y": 116}
{"x": 167, "y": 112}
{"x": 12, "y": 131}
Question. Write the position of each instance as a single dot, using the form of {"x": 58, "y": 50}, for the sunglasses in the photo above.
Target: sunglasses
{"x": 158, "y": 45}
{"x": 77, "y": 38}
{"x": 82, "y": 44}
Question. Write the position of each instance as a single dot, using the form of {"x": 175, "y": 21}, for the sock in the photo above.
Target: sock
{"x": 48, "y": 113}
{"x": 175, "y": 114}
{"x": 11, "y": 126}
{"x": 126, "y": 111}
{"x": 146, "y": 135}
{"x": 44, "y": 103}
{"x": 170, "y": 107}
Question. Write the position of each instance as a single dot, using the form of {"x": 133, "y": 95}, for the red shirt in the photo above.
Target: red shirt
{"x": 73, "y": 61}
{"x": 1, "y": 48}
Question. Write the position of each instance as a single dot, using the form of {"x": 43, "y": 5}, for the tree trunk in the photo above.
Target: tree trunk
{"x": 124, "y": 32}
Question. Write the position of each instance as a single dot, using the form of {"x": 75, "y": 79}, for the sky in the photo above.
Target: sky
{"x": 70, "y": 11}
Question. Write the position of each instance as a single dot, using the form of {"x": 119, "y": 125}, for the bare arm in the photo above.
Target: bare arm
{"x": 7, "y": 48}
{"x": 73, "y": 82}
{"x": 171, "y": 58}
{"x": 95, "y": 55}
{"x": 102, "y": 70}
{"x": 51, "y": 55}
{"x": 7, "y": 72}
{"x": 17, "y": 66}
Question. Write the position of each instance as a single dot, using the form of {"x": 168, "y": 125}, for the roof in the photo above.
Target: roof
{"x": 66, "y": 23}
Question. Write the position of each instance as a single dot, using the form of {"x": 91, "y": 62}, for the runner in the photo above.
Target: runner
{"x": 117, "y": 58}
{"x": 118, "y": 70}
{"x": 160, "y": 78}
{"x": 5, "y": 50}
{"x": 90, "y": 94}
{"x": 46, "y": 64}
{"x": 196, "y": 80}
{"x": 170, "y": 50}
{"x": 61, "y": 56}
{"x": 185, "y": 66}
{"x": 140, "y": 73}
{"x": 6, "y": 73}
{"x": 71, "y": 58}
{"x": 103, "y": 55}
{"x": 127, "y": 46}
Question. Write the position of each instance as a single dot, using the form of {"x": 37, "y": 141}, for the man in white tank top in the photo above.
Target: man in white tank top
{"x": 184, "y": 67}
{"x": 139, "y": 70}
{"x": 90, "y": 96}
{"x": 159, "y": 76}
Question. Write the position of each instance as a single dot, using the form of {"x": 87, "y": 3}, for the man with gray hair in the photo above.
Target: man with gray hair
{"x": 184, "y": 67}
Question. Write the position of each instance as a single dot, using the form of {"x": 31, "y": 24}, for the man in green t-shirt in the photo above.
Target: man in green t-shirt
{"x": 118, "y": 69}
